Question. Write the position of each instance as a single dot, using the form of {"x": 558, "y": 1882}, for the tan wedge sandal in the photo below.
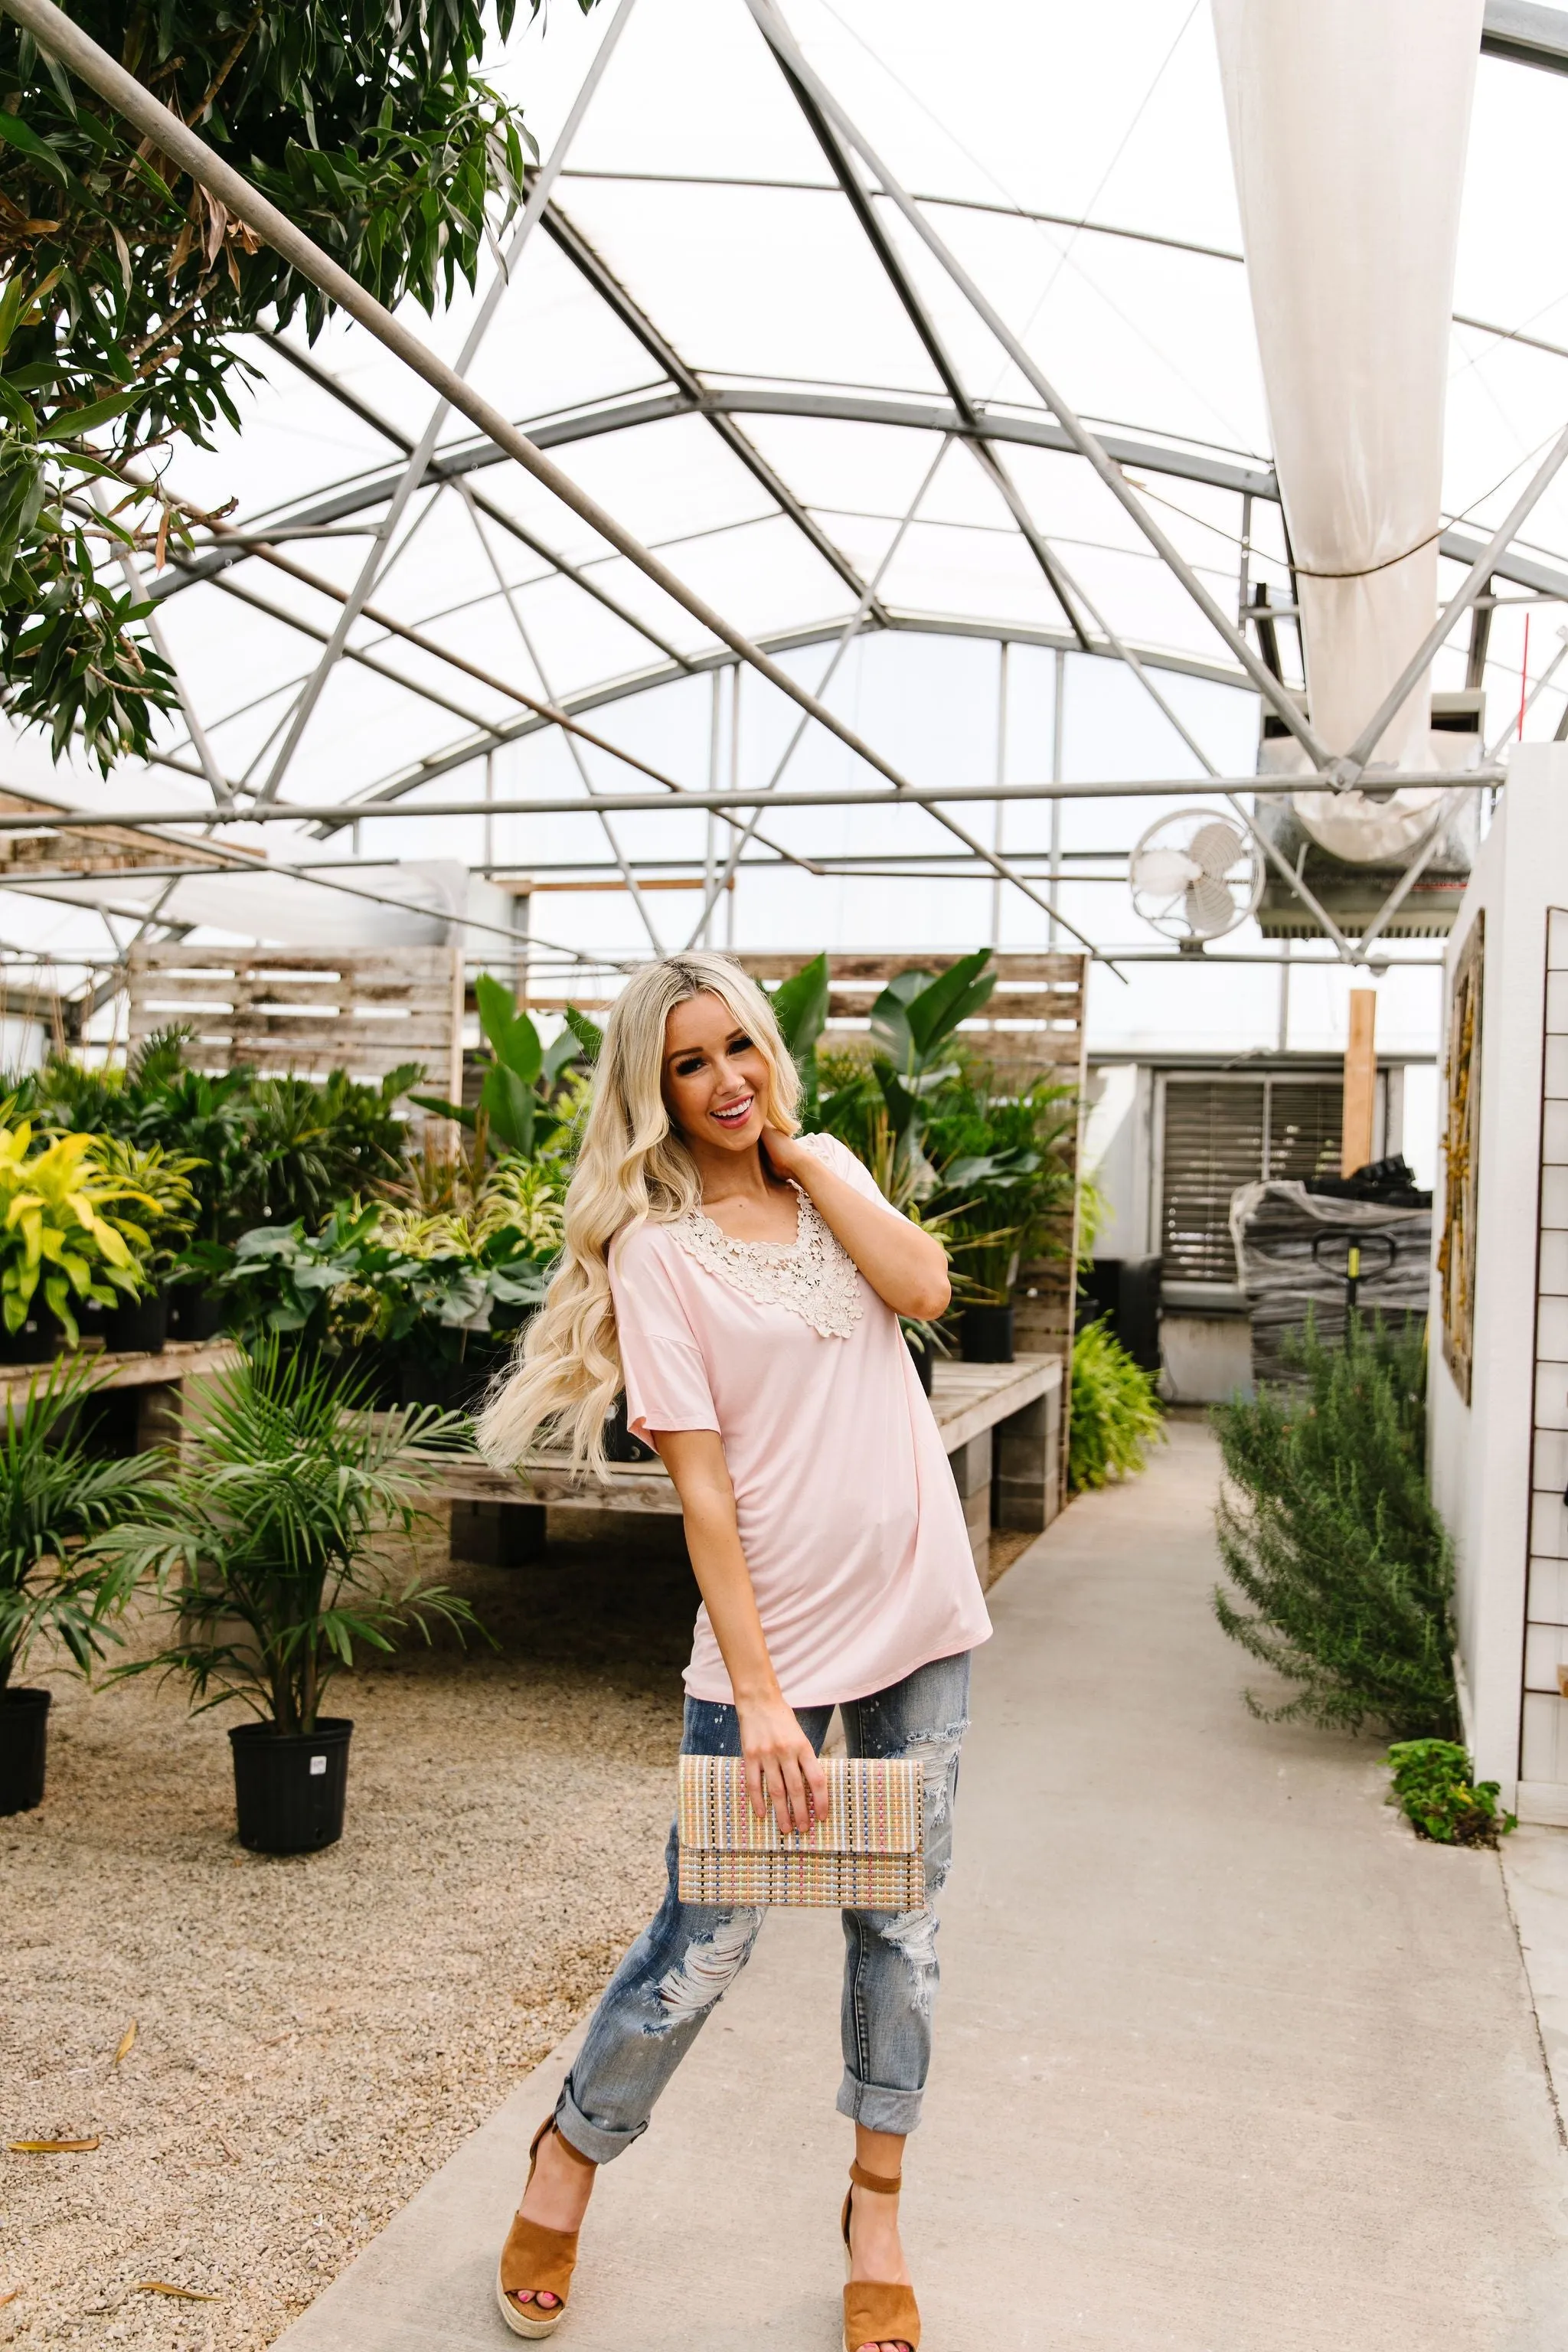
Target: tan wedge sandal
{"x": 535, "y": 2260}
{"x": 876, "y": 2311}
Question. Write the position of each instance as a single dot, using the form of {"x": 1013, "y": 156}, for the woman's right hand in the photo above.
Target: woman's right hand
{"x": 782, "y": 1768}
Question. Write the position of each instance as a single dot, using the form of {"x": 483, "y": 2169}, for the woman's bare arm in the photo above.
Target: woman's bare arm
{"x": 782, "y": 1767}
{"x": 907, "y": 1268}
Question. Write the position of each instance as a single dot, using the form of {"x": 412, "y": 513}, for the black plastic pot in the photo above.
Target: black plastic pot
{"x": 985, "y": 1335}
{"x": 24, "y": 1738}
{"x": 924, "y": 1359}
{"x": 373, "y": 1373}
{"x": 456, "y": 1383}
{"x": 139, "y": 1327}
{"x": 195, "y": 1314}
{"x": 39, "y": 1338}
{"x": 289, "y": 1786}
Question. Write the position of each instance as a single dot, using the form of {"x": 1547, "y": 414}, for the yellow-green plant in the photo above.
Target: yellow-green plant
{"x": 161, "y": 1188}
{"x": 67, "y": 1227}
{"x": 525, "y": 1197}
{"x": 1115, "y": 1410}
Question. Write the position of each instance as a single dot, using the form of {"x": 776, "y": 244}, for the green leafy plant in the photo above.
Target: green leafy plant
{"x": 56, "y": 1502}
{"x": 800, "y": 1007}
{"x": 396, "y": 1276}
{"x": 125, "y": 286}
{"x": 1004, "y": 1188}
{"x": 305, "y": 1145}
{"x": 1114, "y": 1414}
{"x": 1341, "y": 1565}
{"x": 252, "y": 1148}
{"x": 521, "y": 1074}
{"x": 66, "y": 1229}
{"x": 1433, "y": 1788}
{"x": 158, "y": 1185}
{"x": 878, "y": 1103}
{"x": 267, "y": 1544}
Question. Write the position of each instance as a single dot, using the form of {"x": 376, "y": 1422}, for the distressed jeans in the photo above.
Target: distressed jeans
{"x": 686, "y": 1958}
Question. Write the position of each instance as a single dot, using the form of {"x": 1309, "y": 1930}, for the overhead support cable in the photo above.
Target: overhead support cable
{"x": 936, "y": 350}
{"x": 415, "y": 472}
{"x": 778, "y": 34}
{"x": 590, "y": 265}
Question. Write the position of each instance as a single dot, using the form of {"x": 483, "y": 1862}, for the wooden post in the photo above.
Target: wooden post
{"x": 1361, "y": 1082}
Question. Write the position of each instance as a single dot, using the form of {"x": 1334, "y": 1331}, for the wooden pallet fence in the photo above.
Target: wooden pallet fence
{"x": 276, "y": 1010}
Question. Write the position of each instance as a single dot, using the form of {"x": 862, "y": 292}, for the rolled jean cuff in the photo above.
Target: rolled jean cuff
{"x": 878, "y": 2107}
{"x": 589, "y": 2139}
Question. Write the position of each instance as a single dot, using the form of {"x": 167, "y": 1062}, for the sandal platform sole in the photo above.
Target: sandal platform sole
{"x": 516, "y": 2321}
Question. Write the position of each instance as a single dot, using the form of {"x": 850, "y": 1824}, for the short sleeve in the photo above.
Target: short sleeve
{"x": 855, "y": 1173}
{"x": 666, "y": 1378}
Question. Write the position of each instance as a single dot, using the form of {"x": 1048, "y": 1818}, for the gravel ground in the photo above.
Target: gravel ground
{"x": 314, "y": 2034}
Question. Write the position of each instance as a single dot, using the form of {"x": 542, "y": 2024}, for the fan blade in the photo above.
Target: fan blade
{"x": 1210, "y": 909}
{"x": 1215, "y": 848}
{"x": 1163, "y": 872}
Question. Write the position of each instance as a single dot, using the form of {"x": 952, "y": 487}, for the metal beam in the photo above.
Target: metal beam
{"x": 1525, "y": 34}
{"x": 547, "y": 713}
{"x": 590, "y": 265}
{"x": 625, "y": 414}
{"x": 379, "y": 552}
{"x": 428, "y": 769}
{"x": 439, "y": 470}
{"x": 936, "y": 350}
{"x": 852, "y": 627}
{"x": 1344, "y": 770}
{"x": 877, "y": 796}
{"x": 776, "y": 32}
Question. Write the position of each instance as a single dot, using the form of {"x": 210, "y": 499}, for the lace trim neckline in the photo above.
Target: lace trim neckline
{"x": 813, "y": 1276}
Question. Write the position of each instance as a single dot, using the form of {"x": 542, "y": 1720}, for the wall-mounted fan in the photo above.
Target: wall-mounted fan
{"x": 1195, "y": 876}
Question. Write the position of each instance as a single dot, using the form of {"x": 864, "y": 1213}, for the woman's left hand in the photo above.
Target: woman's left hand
{"x": 786, "y": 1154}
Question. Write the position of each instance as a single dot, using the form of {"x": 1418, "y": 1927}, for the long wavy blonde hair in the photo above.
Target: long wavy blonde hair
{"x": 632, "y": 1168}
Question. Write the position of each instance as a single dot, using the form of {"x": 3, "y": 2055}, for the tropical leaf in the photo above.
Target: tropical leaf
{"x": 800, "y": 1007}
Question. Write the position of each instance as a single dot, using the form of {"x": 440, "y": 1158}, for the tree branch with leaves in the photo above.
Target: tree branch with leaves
{"x": 124, "y": 287}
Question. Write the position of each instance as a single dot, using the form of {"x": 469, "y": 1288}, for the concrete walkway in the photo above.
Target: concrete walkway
{"x": 1226, "y": 2061}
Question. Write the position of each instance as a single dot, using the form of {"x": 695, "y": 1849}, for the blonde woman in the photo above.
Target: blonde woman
{"x": 743, "y": 1283}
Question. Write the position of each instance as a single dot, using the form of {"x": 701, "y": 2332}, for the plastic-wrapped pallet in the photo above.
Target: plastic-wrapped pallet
{"x": 1291, "y": 1247}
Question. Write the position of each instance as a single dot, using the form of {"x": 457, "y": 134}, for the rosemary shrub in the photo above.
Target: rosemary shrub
{"x": 1341, "y": 1576}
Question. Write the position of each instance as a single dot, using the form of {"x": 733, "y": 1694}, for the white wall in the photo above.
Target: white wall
{"x": 1482, "y": 1455}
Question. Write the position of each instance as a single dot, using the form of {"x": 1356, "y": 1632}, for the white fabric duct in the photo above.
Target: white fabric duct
{"x": 1349, "y": 121}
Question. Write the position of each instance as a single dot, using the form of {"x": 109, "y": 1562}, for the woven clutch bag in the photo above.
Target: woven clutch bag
{"x": 866, "y": 1854}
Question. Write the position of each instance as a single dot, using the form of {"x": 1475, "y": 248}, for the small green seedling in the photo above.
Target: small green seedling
{"x": 1433, "y": 1789}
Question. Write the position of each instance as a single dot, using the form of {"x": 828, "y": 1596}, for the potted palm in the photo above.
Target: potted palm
{"x": 266, "y": 1547}
{"x": 55, "y": 1585}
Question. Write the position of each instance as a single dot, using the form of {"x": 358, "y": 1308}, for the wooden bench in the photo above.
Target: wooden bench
{"x": 1000, "y": 1423}
{"x": 155, "y": 1382}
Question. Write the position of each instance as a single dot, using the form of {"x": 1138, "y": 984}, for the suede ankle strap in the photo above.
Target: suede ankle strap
{"x": 877, "y": 2182}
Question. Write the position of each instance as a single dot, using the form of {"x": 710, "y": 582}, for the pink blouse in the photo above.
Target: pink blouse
{"x": 849, "y": 1518}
